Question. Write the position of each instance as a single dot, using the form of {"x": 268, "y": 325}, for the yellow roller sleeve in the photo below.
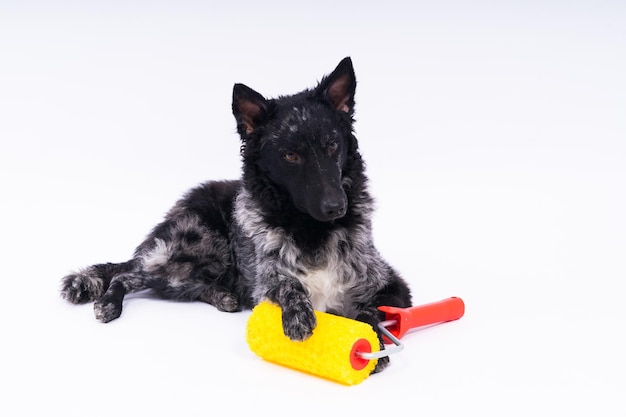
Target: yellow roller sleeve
{"x": 328, "y": 353}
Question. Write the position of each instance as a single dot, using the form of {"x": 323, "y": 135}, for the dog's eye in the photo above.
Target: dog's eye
{"x": 332, "y": 147}
{"x": 291, "y": 157}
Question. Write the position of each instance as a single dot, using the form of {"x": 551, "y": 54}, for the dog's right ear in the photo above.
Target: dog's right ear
{"x": 249, "y": 108}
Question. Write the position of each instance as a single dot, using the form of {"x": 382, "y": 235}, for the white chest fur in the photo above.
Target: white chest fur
{"x": 324, "y": 289}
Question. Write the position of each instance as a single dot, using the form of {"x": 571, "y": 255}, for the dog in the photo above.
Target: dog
{"x": 294, "y": 230}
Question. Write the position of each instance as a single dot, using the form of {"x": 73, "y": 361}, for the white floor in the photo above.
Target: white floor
{"x": 495, "y": 137}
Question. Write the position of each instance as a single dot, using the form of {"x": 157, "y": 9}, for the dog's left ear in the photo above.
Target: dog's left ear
{"x": 338, "y": 87}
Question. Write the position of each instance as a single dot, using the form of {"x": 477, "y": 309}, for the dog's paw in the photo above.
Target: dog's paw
{"x": 106, "y": 311}
{"x": 381, "y": 364}
{"x": 222, "y": 299}
{"x": 299, "y": 321}
{"x": 80, "y": 288}
{"x": 227, "y": 302}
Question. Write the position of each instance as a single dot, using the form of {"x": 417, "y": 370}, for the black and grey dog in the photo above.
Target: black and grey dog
{"x": 295, "y": 230}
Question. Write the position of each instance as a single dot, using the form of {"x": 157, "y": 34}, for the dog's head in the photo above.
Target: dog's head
{"x": 296, "y": 148}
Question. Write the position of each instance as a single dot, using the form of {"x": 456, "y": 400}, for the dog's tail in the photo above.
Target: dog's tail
{"x": 89, "y": 284}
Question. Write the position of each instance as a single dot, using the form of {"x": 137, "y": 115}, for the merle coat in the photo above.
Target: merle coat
{"x": 295, "y": 230}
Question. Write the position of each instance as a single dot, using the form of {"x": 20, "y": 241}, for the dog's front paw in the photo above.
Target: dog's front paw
{"x": 299, "y": 321}
{"x": 81, "y": 287}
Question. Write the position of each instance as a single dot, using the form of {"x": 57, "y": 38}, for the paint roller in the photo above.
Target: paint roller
{"x": 341, "y": 349}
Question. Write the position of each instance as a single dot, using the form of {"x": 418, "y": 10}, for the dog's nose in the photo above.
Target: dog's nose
{"x": 333, "y": 209}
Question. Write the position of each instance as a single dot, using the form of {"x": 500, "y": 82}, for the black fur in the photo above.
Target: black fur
{"x": 296, "y": 229}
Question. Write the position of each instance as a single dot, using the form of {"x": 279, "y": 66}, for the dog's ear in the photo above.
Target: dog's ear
{"x": 249, "y": 108}
{"x": 338, "y": 87}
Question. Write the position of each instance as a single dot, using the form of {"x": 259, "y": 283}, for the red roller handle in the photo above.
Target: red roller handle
{"x": 449, "y": 309}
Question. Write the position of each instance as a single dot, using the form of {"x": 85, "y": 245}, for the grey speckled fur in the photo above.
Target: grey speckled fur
{"x": 295, "y": 230}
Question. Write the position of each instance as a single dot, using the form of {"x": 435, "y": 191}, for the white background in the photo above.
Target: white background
{"x": 495, "y": 137}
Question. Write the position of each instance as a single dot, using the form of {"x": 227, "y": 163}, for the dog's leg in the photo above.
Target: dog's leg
{"x": 221, "y": 298}
{"x": 298, "y": 315}
{"x": 89, "y": 284}
{"x": 109, "y": 306}
{"x": 372, "y": 316}
{"x": 200, "y": 286}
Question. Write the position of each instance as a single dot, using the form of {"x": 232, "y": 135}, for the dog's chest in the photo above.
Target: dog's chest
{"x": 324, "y": 272}
{"x": 325, "y": 288}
